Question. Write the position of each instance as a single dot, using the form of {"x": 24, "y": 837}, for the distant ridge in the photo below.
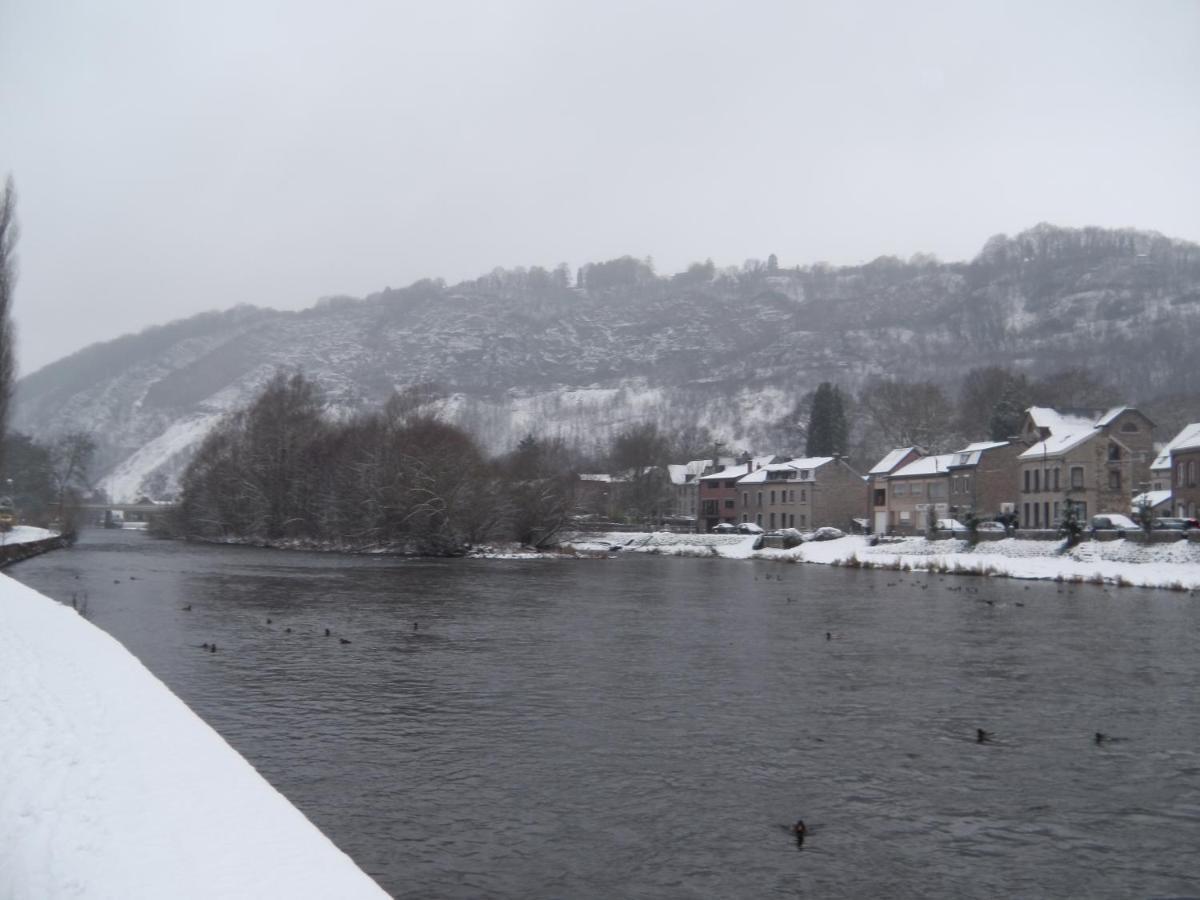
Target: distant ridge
{"x": 587, "y": 352}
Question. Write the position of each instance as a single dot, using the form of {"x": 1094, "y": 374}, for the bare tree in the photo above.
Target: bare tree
{"x": 70, "y": 457}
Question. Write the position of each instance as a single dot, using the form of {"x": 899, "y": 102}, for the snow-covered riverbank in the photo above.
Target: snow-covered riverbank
{"x": 110, "y": 787}
{"x": 1175, "y": 565}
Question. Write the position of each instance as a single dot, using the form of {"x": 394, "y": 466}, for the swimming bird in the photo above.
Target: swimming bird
{"x": 982, "y": 737}
{"x": 213, "y": 648}
{"x": 268, "y": 620}
{"x": 829, "y": 635}
{"x": 343, "y": 641}
{"x": 188, "y": 608}
{"x": 799, "y": 830}
{"x": 416, "y": 626}
{"x": 326, "y": 632}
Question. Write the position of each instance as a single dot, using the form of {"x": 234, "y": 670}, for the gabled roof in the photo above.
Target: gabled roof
{"x": 1054, "y": 420}
{"x": 926, "y": 466}
{"x": 1188, "y": 437}
{"x": 737, "y": 471}
{"x": 889, "y": 462}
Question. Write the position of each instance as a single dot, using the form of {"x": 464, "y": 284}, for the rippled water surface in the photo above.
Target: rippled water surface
{"x": 646, "y": 727}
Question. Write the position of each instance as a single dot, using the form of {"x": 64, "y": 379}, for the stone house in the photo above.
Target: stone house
{"x": 1185, "y": 470}
{"x": 1161, "y": 476}
{"x": 803, "y": 493}
{"x": 1095, "y": 464}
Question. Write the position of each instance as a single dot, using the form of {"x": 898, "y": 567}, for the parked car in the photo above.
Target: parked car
{"x": 749, "y": 528}
{"x": 723, "y": 528}
{"x": 1111, "y": 521}
{"x": 826, "y": 533}
{"x": 991, "y": 528}
{"x": 950, "y": 525}
{"x": 1173, "y": 523}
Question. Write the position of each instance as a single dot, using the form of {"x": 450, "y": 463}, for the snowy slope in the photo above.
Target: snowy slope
{"x": 506, "y": 353}
{"x": 110, "y": 787}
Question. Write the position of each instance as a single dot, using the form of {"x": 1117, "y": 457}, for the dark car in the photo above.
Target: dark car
{"x": 1173, "y": 523}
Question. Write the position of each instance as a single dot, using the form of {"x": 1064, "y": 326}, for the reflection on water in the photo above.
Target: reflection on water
{"x": 652, "y": 727}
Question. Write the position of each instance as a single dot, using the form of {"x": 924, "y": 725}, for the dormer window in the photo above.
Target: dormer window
{"x": 1130, "y": 428}
{"x": 1114, "y": 452}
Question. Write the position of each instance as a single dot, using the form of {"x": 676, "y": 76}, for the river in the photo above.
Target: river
{"x": 647, "y": 727}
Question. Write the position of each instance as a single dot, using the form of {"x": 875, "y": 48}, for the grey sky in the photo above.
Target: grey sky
{"x": 176, "y": 157}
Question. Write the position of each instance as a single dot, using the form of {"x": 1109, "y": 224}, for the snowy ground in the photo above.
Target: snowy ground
{"x": 1175, "y": 565}
{"x": 25, "y": 534}
{"x": 110, "y": 787}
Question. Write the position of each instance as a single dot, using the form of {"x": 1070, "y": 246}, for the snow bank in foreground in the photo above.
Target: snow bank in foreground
{"x": 111, "y": 787}
{"x": 1174, "y": 565}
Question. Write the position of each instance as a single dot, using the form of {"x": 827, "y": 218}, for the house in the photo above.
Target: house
{"x": 1185, "y": 468}
{"x": 981, "y": 479}
{"x": 685, "y": 484}
{"x": 1161, "y": 477}
{"x": 918, "y": 492}
{"x": 802, "y": 493}
{"x": 877, "y": 487}
{"x": 718, "y": 492}
{"x": 1093, "y": 462}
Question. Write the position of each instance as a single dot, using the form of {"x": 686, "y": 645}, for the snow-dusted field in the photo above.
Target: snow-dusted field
{"x": 110, "y": 787}
{"x": 25, "y": 534}
{"x": 1175, "y": 565}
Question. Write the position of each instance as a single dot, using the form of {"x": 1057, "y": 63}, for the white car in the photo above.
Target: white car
{"x": 991, "y": 528}
{"x": 749, "y": 528}
{"x": 950, "y": 525}
{"x": 1109, "y": 521}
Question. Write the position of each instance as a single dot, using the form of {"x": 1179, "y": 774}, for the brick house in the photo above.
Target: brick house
{"x": 913, "y": 490}
{"x": 877, "y": 486}
{"x": 1162, "y": 478}
{"x": 717, "y": 492}
{"x": 981, "y": 479}
{"x": 803, "y": 493}
{"x": 685, "y": 486}
{"x": 1096, "y": 464}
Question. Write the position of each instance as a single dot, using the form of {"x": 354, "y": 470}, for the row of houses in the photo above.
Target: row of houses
{"x": 1094, "y": 461}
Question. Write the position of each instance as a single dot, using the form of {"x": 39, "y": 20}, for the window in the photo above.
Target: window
{"x": 900, "y": 489}
{"x": 745, "y": 498}
{"x": 1114, "y": 481}
{"x": 708, "y": 507}
{"x": 745, "y": 518}
{"x": 1129, "y": 428}
{"x": 1037, "y": 481}
{"x": 772, "y": 498}
{"x": 760, "y": 498}
{"x": 1114, "y": 452}
{"x": 916, "y": 488}
{"x": 1027, "y": 481}
{"x": 729, "y": 504}
{"x": 1026, "y": 516}
{"x": 772, "y": 519}
{"x": 904, "y": 515}
{"x": 731, "y": 484}
{"x": 1057, "y": 515}
{"x": 937, "y": 489}
{"x": 803, "y": 520}
{"x": 1037, "y": 515}
{"x": 792, "y": 497}
{"x": 1076, "y": 476}
{"x": 804, "y": 474}
{"x": 758, "y": 520}
{"x": 1179, "y": 475}
{"x": 803, "y": 495}
{"x": 880, "y": 497}
{"x": 1057, "y": 472}
{"x": 1191, "y": 473}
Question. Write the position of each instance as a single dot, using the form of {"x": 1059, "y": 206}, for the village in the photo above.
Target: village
{"x": 1101, "y": 469}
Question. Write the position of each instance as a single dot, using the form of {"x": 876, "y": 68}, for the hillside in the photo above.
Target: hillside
{"x": 539, "y": 350}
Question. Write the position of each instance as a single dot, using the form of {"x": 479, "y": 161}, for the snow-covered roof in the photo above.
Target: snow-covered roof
{"x": 1188, "y": 437}
{"x": 926, "y": 466}
{"x": 1055, "y": 421}
{"x": 1060, "y": 442}
{"x": 1151, "y": 499}
{"x": 738, "y": 471}
{"x": 687, "y": 472}
{"x": 792, "y": 467}
{"x": 970, "y": 454}
{"x": 596, "y": 476}
{"x": 889, "y": 462}
{"x": 1108, "y": 417}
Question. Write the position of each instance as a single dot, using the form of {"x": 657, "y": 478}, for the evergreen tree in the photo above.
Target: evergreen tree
{"x": 827, "y": 428}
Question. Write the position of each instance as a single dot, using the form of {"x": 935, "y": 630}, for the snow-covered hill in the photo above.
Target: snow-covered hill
{"x": 732, "y": 350}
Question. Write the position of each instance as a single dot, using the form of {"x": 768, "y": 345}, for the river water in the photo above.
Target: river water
{"x": 647, "y": 727}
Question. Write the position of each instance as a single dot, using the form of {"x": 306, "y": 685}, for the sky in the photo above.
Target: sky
{"x": 172, "y": 158}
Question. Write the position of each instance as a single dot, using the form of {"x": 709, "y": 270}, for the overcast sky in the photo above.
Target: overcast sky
{"x": 176, "y": 157}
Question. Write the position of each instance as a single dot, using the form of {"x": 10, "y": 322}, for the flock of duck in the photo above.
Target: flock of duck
{"x": 211, "y": 647}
